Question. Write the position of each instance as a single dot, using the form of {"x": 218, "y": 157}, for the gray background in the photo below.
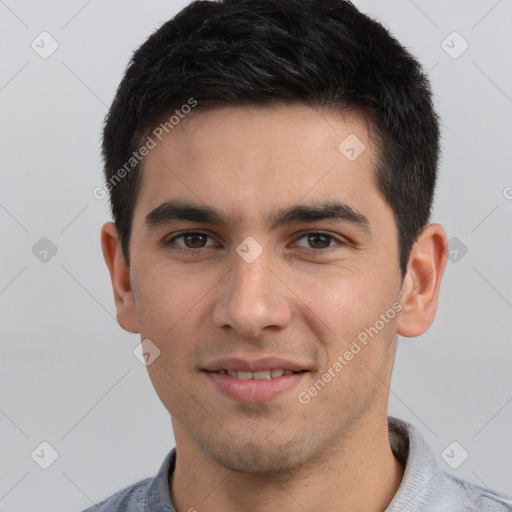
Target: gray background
{"x": 68, "y": 373}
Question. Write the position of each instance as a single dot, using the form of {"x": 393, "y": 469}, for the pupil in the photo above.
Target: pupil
{"x": 324, "y": 237}
{"x": 194, "y": 241}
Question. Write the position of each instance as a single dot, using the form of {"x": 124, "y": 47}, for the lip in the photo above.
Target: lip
{"x": 254, "y": 390}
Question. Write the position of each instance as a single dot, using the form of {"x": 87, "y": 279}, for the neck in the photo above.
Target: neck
{"x": 359, "y": 473}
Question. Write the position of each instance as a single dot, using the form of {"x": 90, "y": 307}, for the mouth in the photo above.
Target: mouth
{"x": 274, "y": 373}
{"x": 254, "y": 381}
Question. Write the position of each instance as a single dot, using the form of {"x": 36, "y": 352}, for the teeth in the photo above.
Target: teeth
{"x": 265, "y": 374}
{"x": 262, "y": 375}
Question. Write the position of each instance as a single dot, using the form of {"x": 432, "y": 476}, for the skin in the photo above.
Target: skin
{"x": 302, "y": 299}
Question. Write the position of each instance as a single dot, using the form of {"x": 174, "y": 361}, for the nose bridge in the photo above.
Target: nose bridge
{"x": 252, "y": 298}
{"x": 251, "y": 270}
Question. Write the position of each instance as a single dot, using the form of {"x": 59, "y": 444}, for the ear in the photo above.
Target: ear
{"x": 120, "y": 276}
{"x": 420, "y": 289}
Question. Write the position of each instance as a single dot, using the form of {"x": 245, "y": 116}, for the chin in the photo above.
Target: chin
{"x": 257, "y": 460}
{"x": 260, "y": 457}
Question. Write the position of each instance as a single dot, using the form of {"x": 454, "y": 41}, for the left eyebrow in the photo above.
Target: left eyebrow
{"x": 184, "y": 211}
{"x": 332, "y": 211}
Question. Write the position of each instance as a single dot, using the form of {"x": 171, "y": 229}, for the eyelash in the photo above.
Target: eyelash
{"x": 303, "y": 234}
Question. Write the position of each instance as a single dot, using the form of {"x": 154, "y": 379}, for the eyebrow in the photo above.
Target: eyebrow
{"x": 176, "y": 210}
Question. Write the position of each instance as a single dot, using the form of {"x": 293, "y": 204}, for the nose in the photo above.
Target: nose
{"x": 253, "y": 298}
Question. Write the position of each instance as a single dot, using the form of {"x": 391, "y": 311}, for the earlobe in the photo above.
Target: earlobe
{"x": 120, "y": 277}
{"x": 420, "y": 289}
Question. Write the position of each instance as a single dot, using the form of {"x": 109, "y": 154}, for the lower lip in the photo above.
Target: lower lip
{"x": 254, "y": 390}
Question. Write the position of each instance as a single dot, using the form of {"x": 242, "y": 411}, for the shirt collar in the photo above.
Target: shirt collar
{"x": 421, "y": 471}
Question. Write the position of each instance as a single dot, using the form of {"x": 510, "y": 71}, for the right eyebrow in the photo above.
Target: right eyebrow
{"x": 178, "y": 210}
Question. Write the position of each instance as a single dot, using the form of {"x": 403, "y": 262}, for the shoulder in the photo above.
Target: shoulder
{"x": 426, "y": 487}
{"x": 473, "y": 497}
{"x": 129, "y": 499}
{"x": 151, "y": 493}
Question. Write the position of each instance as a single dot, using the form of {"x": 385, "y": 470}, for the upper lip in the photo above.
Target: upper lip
{"x": 257, "y": 365}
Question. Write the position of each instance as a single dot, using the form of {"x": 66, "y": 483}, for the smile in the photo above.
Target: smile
{"x": 261, "y": 375}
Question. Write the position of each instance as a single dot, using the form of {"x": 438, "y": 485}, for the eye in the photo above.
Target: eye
{"x": 191, "y": 240}
{"x": 318, "y": 240}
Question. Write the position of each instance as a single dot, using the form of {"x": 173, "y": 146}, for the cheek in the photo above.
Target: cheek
{"x": 355, "y": 319}
{"x": 343, "y": 305}
{"x": 172, "y": 386}
{"x": 166, "y": 297}
{"x": 168, "y": 307}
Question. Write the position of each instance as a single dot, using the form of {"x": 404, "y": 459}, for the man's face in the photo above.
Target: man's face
{"x": 256, "y": 290}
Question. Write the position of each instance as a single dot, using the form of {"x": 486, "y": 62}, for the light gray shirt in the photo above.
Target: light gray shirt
{"x": 424, "y": 488}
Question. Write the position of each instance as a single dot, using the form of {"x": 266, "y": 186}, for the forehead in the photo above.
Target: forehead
{"x": 246, "y": 161}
